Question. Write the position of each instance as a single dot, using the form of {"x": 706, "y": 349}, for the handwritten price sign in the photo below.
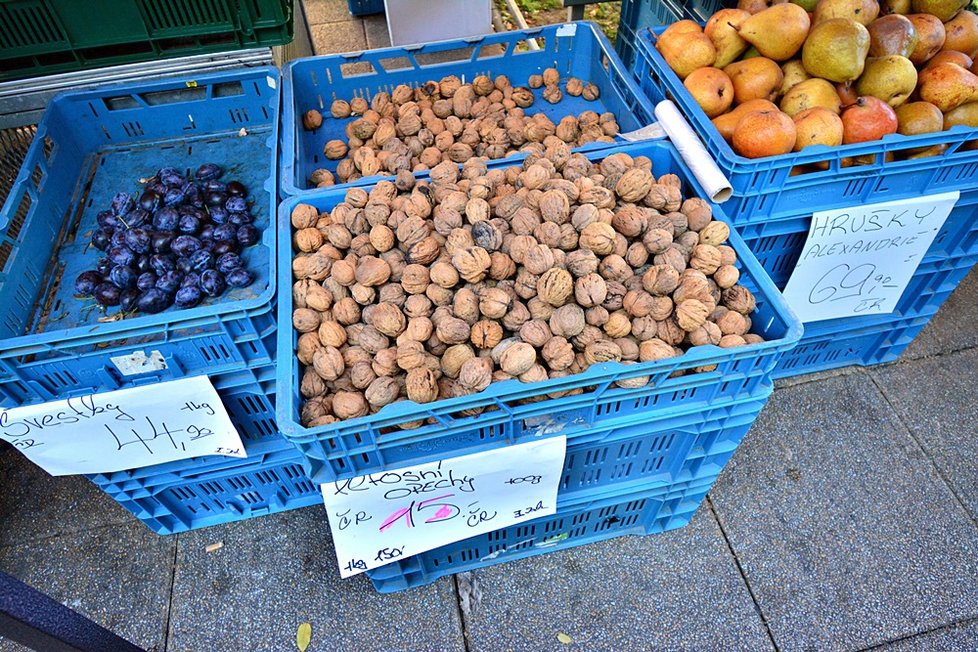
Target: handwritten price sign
{"x": 379, "y": 518}
{"x": 125, "y": 429}
{"x": 858, "y": 261}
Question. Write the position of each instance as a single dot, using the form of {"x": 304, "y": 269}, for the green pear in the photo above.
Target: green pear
{"x": 836, "y": 50}
{"x": 893, "y": 34}
{"x": 722, "y": 30}
{"x": 892, "y": 79}
{"x": 944, "y": 10}
{"x": 807, "y": 5}
{"x": 809, "y": 94}
{"x": 778, "y": 32}
{"x": 895, "y": 7}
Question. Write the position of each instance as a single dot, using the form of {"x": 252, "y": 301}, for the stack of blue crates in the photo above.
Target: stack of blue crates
{"x": 774, "y": 198}
{"x": 639, "y": 459}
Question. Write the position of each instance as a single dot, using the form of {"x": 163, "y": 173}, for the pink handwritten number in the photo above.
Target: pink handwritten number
{"x": 396, "y": 515}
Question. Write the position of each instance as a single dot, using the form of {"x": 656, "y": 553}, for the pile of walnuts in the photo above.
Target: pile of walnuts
{"x": 415, "y": 129}
{"x": 429, "y": 290}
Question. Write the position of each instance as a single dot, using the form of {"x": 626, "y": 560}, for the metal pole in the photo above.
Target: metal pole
{"x": 31, "y": 618}
{"x": 521, "y": 23}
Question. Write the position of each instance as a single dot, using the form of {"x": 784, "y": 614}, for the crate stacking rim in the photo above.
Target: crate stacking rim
{"x": 622, "y": 455}
{"x": 766, "y": 187}
{"x": 374, "y": 442}
{"x": 88, "y": 146}
{"x": 577, "y": 49}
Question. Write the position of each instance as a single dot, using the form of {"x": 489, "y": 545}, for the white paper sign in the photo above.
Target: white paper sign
{"x": 124, "y": 429}
{"x": 858, "y": 261}
{"x": 382, "y": 517}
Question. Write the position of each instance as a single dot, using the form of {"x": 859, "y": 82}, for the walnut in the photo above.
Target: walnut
{"x": 422, "y": 385}
{"x": 660, "y": 280}
{"x": 567, "y": 320}
{"x": 714, "y": 233}
{"x": 522, "y": 97}
{"x": 555, "y": 286}
{"x": 731, "y": 341}
{"x": 346, "y": 311}
{"x": 558, "y": 353}
{"x": 335, "y": 149}
{"x": 382, "y": 391}
{"x": 424, "y": 252}
{"x": 590, "y": 290}
{"x": 619, "y": 324}
{"x": 670, "y": 331}
{"x": 388, "y": 319}
{"x": 726, "y": 276}
{"x": 690, "y": 314}
{"x": 465, "y": 305}
{"x": 328, "y": 363}
{"x": 705, "y": 258}
{"x": 304, "y": 216}
{"x": 321, "y": 178}
{"x": 602, "y": 351}
{"x": 448, "y": 85}
{"x": 633, "y": 185}
{"x": 574, "y": 86}
{"x": 535, "y": 374}
{"x": 452, "y": 331}
{"x": 655, "y": 349}
{"x": 472, "y": 263}
{"x": 739, "y": 299}
{"x": 305, "y": 320}
{"x": 517, "y": 358}
{"x": 552, "y": 94}
{"x": 537, "y": 259}
{"x": 698, "y": 213}
{"x": 350, "y": 405}
{"x": 444, "y": 275}
{"x": 535, "y": 81}
{"x": 494, "y": 303}
{"x": 372, "y": 271}
{"x": 599, "y": 237}
{"x": 410, "y": 355}
{"x": 591, "y": 92}
{"x": 311, "y": 384}
{"x": 454, "y": 357}
{"x": 331, "y": 333}
{"x": 312, "y": 120}
{"x": 708, "y": 333}
{"x": 475, "y": 374}
{"x": 551, "y": 77}
{"x": 581, "y": 262}
{"x": 732, "y": 323}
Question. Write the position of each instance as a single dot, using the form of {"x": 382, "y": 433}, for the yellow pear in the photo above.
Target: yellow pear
{"x": 793, "y": 72}
{"x": 687, "y": 51}
{"x": 966, "y": 114}
{"x": 809, "y": 94}
{"x": 947, "y": 86}
{"x": 681, "y": 27}
{"x": 861, "y": 11}
{"x": 777, "y": 32}
{"x": 722, "y": 30}
{"x": 757, "y": 78}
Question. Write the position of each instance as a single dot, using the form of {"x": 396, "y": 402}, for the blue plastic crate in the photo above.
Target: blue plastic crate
{"x": 648, "y": 511}
{"x": 621, "y": 456}
{"x": 871, "y": 339}
{"x": 636, "y": 15}
{"x": 374, "y": 443}
{"x": 576, "y": 49}
{"x": 770, "y": 187}
{"x": 88, "y": 146}
{"x": 366, "y": 7}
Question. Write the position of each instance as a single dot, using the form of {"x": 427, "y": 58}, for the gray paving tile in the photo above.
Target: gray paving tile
{"x": 845, "y": 532}
{"x": 376, "y": 29}
{"x": 327, "y": 11}
{"x": 671, "y": 591}
{"x": 935, "y": 397}
{"x": 953, "y": 327}
{"x": 818, "y": 375}
{"x": 118, "y": 576}
{"x": 949, "y": 639}
{"x": 330, "y": 38}
{"x": 34, "y": 505}
{"x": 276, "y": 572}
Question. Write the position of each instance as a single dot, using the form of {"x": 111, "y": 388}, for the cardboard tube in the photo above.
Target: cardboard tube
{"x": 705, "y": 170}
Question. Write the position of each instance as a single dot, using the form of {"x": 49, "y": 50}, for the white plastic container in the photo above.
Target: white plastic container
{"x": 422, "y": 21}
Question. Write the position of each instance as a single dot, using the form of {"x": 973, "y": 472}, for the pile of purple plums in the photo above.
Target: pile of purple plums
{"x": 175, "y": 244}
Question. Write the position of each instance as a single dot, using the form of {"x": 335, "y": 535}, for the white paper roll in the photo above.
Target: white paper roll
{"x": 705, "y": 170}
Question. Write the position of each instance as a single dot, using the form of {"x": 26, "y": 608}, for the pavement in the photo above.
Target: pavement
{"x": 847, "y": 520}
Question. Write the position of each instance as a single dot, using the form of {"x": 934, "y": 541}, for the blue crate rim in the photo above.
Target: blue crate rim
{"x": 601, "y": 374}
{"x": 34, "y": 342}
{"x": 288, "y": 167}
{"x": 959, "y": 135}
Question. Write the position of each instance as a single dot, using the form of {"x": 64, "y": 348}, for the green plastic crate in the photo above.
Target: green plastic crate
{"x": 40, "y": 37}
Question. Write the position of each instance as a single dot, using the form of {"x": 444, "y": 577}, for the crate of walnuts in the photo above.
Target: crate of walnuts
{"x": 435, "y": 318}
{"x": 352, "y": 118}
